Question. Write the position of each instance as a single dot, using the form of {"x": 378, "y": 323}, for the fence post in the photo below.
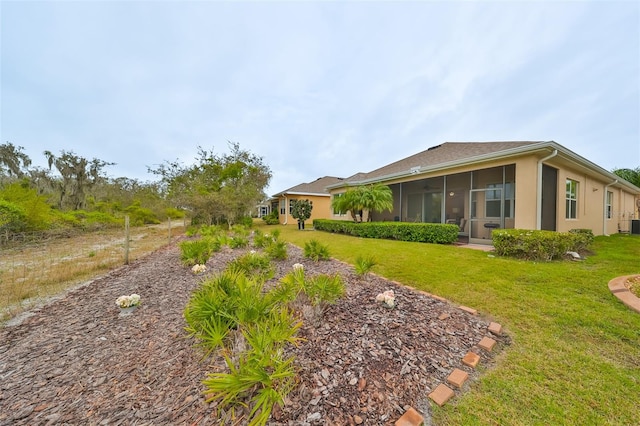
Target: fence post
{"x": 126, "y": 240}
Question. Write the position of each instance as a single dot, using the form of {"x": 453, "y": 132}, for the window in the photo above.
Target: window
{"x": 337, "y": 212}
{"x": 291, "y": 204}
{"x": 493, "y": 197}
{"x": 609, "y": 204}
{"x": 283, "y": 206}
{"x": 572, "y": 199}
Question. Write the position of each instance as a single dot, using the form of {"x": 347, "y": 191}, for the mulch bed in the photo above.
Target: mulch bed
{"x": 77, "y": 360}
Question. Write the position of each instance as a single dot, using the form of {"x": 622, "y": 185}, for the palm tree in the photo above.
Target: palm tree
{"x": 348, "y": 201}
{"x": 377, "y": 197}
{"x": 630, "y": 175}
{"x": 368, "y": 198}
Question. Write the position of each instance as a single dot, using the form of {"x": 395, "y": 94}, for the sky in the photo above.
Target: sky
{"x": 316, "y": 88}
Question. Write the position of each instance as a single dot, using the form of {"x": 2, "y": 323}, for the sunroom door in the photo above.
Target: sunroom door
{"x": 486, "y": 214}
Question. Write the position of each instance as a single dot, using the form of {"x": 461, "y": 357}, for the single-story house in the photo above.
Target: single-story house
{"x": 482, "y": 186}
{"x": 315, "y": 191}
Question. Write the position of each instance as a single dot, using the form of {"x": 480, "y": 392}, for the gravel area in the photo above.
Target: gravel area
{"x": 78, "y": 361}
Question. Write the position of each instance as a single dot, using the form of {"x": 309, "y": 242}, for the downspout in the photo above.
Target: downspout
{"x": 539, "y": 191}
{"x": 604, "y": 204}
{"x": 400, "y": 207}
{"x": 286, "y": 211}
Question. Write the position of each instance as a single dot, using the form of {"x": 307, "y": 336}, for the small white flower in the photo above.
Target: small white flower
{"x": 297, "y": 266}
{"x": 197, "y": 269}
{"x": 387, "y": 297}
{"x": 128, "y": 301}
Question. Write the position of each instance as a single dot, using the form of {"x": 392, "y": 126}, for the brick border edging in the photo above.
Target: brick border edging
{"x": 443, "y": 393}
{"x": 619, "y": 289}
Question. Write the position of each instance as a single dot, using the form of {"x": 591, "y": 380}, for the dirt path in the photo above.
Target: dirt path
{"x": 77, "y": 361}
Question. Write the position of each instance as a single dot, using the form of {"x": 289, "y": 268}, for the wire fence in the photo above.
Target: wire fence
{"x": 34, "y": 265}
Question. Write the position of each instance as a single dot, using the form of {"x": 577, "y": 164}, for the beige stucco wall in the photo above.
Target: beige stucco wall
{"x": 321, "y": 208}
{"x": 591, "y": 211}
{"x": 526, "y": 211}
{"x": 591, "y": 196}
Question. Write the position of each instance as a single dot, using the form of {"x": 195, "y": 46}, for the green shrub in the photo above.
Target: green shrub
{"x": 277, "y": 250}
{"x": 197, "y": 252}
{"x": 262, "y": 374}
{"x": 232, "y": 303}
{"x": 13, "y": 218}
{"x": 238, "y": 241}
{"x": 139, "y": 216}
{"x": 33, "y": 213}
{"x": 533, "y": 245}
{"x": 96, "y": 220}
{"x": 192, "y": 231}
{"x": 271, "y": 218}
{"x": 364, "y": 265}
{"x": 582, "y": 239}
{"x": 324, "y": 289}
{"x": 319, "y": 289}
{"x": 316, "y": 251}
{"x": 174, "y": 213}
{"x": 240, "y": 229}
{"x": 246, "y": 221}
{"x": 260, "y": 239}
{"x": 253, "y": 265}
{"x": 209, "y": 231}
{"x": 403, "y": 231}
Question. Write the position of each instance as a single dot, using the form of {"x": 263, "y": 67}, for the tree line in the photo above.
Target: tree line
{"x": 74, "y": 192}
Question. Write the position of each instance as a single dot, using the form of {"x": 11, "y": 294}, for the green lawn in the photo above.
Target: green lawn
{"x": 575, "y": 355}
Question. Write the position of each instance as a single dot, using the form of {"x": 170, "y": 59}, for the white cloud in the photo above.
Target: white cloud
{"x": 317, "y": 88}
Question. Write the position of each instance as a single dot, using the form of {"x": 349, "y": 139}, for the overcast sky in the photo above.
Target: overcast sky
{"x": 316, "y": 88}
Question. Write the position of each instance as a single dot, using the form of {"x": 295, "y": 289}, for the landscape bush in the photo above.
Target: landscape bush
{"x": 316, "y": 251}
{"x": 436, "y": 233}
{"x": 13, "y": 218}
{"x": 253, "y": 264}
{"x": 364, "y": 264}
{"x": 582, "y": 239}
{"x": 261, "y": 239}
{"x": 198, "y": 251}
{"x": 539, "y": 245}
{"x": 271, "y": 218}
{"x": 238, "y": 241}
{"x": 232, "y": 313}
{"x": 139, "y": 216}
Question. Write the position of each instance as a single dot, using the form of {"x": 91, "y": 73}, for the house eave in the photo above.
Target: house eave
{"x": 308, "y": 194}
{"x": 500, "y": 155}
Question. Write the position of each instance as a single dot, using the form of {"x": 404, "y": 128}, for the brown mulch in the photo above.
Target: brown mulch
{"x": 77, "y": 360}
{"x": 633, "y": 284}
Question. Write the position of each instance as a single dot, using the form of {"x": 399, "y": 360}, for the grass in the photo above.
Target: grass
{"x": 32, "y": 272}
{"x": 575, "y": 355}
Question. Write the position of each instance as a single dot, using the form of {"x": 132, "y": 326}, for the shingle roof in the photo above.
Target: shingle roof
{"x": 318, "y": 186}
{"x": 440, "y": 154}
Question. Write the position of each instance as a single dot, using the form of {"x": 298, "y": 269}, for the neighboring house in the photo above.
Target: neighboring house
{"x": 315, "y": 191}
{"x": 263, "y": 208}
{"x": 482, "y": 186}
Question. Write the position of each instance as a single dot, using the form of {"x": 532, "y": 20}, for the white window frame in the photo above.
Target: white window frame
{"x": 571, "y": 199}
